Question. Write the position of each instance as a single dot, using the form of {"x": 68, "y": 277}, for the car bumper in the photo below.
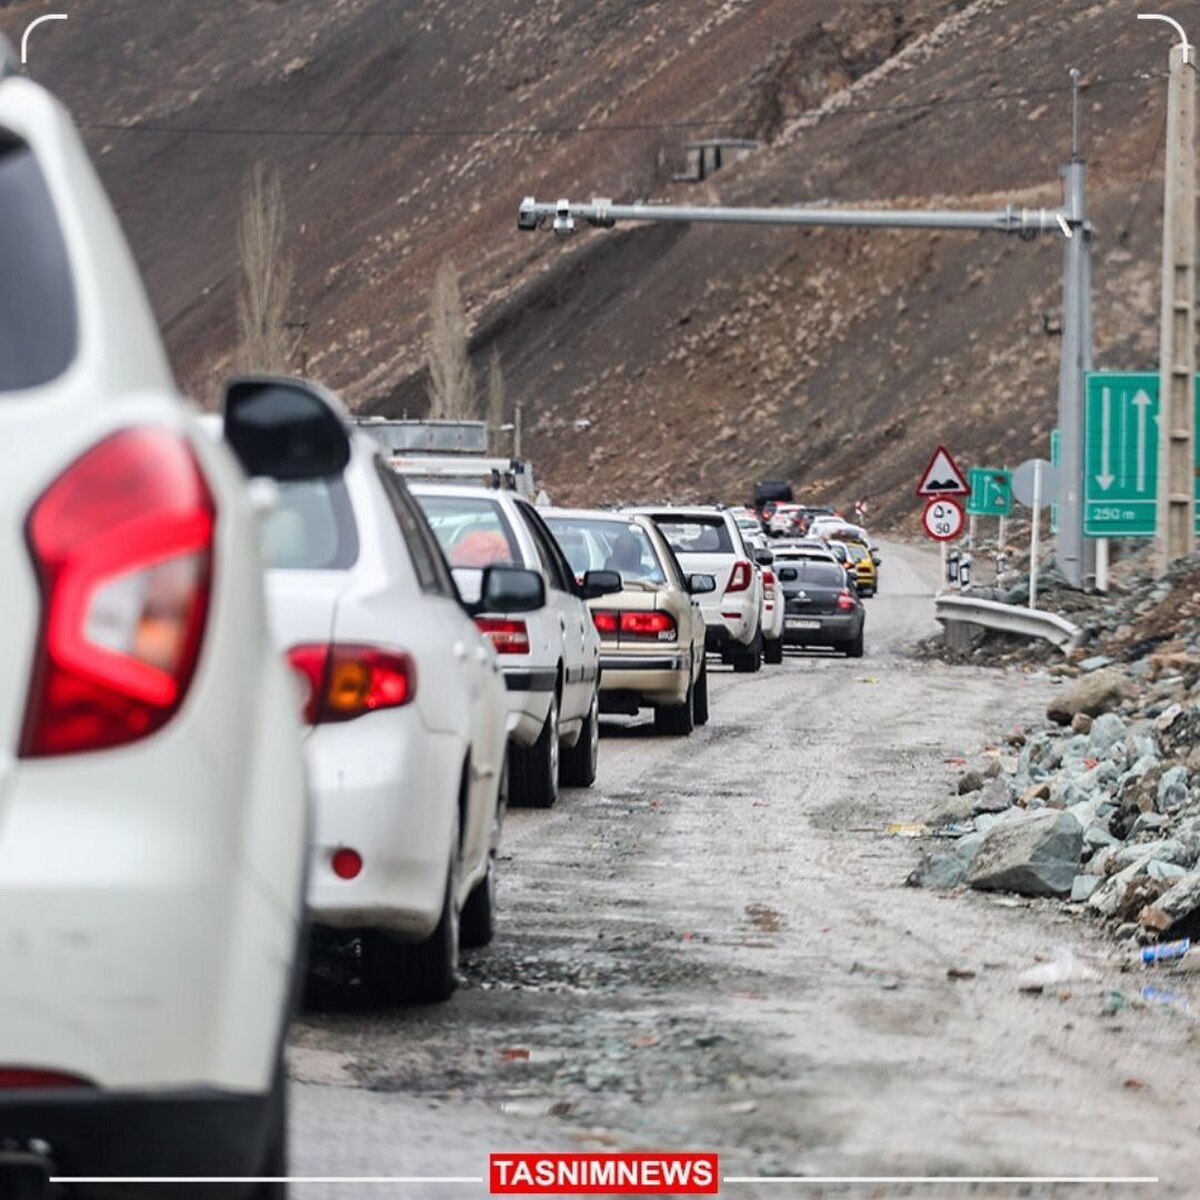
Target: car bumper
{"x": 656, "y": 678}
{"x": 529, "y": 692}
{"x": 721, "y": 630}
{"x": 387, "y": 788}
{"x": 192, "y": 1133}
{"x": 830, "y": 630}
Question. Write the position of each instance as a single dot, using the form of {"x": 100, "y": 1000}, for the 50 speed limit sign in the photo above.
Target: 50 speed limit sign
{"x": 944, "y": 519}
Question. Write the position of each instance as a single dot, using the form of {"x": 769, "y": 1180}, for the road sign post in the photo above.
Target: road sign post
{"x": 1035, "y": 482}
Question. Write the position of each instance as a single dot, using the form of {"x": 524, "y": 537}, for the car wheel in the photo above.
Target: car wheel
{"x": 580, "y": 761}
{"x": 535, "y": 768}
{"x": 854, "y": 649}
{"x": 677, "y": 720}
{"x": 700, "y": 698}
{"x": 418, "y": 972}
{"x": 748, "y": 660}
{"x": 275, "y": 1162}
{"x": 773, "y": 651}
{"x": 477, "y": 925}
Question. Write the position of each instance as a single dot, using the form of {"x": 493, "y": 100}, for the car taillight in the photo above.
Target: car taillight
{"x": 845, "y": 600}
{"x": 508, "y": 637}
{"x": 656, "y": 626}
{"x": 31, "y": 1077}
{"x": 605, "y": 621}
{"x": 122, "y": 544}
{"x": 739, "y": 577}
{"x": 345, "y": 680}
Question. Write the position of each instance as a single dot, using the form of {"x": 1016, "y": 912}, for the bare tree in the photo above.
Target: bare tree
{"x": 495, "y": 400}
{"x": 267, "y": 275}
{"x": 451, "y": 380}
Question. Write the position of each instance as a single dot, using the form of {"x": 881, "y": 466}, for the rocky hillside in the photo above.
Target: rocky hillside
{"x": 661, "y": 360}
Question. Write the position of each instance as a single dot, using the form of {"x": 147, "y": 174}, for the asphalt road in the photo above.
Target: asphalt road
{"x": 714, "y": 949}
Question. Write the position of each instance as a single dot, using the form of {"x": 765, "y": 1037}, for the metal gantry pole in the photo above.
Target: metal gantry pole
{"x": 1177, "y": 354}
{"x": 1070, "y": 222}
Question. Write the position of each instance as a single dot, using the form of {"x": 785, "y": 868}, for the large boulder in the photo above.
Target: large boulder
{"x": 1173, "y": 906}
{"x": 1037, "y": 855}
{"x": 1093, "y": 694}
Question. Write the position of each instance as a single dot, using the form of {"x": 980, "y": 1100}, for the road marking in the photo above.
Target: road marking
{"x": 32, "y": 26}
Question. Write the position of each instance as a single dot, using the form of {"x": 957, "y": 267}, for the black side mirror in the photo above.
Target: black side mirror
{"x": 286, "y": 429}
{"x": 764, "y": 558}
{"x": 501, "y": 589}
{"x": 701, "y": 585}
{"x": 599, "y": 583}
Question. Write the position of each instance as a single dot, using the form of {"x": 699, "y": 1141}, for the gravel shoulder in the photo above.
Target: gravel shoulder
{"x": 714, "y": 949}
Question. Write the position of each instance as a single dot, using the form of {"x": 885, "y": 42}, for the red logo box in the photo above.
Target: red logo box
{"x": 680, "y": 1174}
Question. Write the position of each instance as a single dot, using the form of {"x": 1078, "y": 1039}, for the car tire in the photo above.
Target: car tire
{"x": 580, "y": 761}
{"x": 700, "y": 696}
{"x": 749, "y": 659}
{"x": 677, "y": 720}
{"x": 275, "y": 1161}
{"x": 854, "y": 648}
{"x": 477, "y": 924}
{"x": 535, "y": 768}
{"x": 773, "y": 651}
{"x": 424, "y": 972}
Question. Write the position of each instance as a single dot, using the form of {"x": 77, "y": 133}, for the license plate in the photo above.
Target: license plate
{"x": 800, "y": 623}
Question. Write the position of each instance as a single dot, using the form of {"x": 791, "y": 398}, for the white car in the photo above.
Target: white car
{"x": 707, "y": 541}
{"x": 772, "y": 616}
{"x": 551, "y": 658}
{"x": 153, "y": 806}
{"x": 404, "y": 701}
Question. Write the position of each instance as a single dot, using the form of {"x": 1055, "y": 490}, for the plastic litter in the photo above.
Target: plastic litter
{"x": 1153, "y": 995}
{"x": 1166, "y": 951}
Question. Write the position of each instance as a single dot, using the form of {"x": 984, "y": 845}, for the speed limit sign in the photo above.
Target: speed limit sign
{"x": 944, "y": 519}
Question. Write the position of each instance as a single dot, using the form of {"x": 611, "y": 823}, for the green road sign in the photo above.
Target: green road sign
{"x": 991, "y": 493}
{"x": 1120, "y": 486}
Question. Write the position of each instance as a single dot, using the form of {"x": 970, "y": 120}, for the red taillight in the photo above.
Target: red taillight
{"x": 657, "y": 626}
{"x": 740, "y": 577}
{"x": 347, "y": 864}
{"x": 605, "y": 622}
{"x": 122, "y": 544}
{"x": 344, "y": 680}
{"x": 508, "y": 637}
{"x": 31, "y": 1077}
{"x": 845, "y": 600}
{"x": 768, "y": 578}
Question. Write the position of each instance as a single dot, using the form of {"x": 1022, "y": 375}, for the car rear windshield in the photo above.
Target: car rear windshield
{"x": 472, "y": 530}
{"x": 696, "y": 535}
{"x": 814, "y": 573}
{"x": 38, "y": 331}
{"x": 312, "y": 527}
{"x": 600, "y": 545}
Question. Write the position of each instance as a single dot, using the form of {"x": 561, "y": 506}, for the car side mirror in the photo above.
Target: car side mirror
{"x": 500, "y": 589}
{"x": 764, "y": 558}
{"x": 600, "y": 583}
{"x": 286, "y": 429}
{"x": 701, "y": 585}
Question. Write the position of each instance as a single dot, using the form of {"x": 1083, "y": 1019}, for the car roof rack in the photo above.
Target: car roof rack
{"x": 9, "y": 63}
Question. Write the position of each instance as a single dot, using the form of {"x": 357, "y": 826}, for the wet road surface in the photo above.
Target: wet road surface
{"x": 713, "y": 948}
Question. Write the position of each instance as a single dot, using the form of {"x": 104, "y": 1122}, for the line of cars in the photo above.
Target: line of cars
{"x": 260, "y": 686}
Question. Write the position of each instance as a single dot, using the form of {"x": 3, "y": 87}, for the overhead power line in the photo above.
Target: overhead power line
{"x": 416, "y": 131}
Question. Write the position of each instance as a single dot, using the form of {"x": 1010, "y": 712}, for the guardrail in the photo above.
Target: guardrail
{"x": 1007, "y": 618}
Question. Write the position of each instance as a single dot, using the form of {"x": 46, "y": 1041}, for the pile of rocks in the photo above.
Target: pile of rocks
{"x": 1102, "y": 806}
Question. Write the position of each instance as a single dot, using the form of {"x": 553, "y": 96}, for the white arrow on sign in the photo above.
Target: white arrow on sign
{"x": 1106, "y": 478}
{"x": 1141, "y": 402}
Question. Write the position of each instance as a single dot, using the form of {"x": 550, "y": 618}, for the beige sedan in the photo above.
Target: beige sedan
{"x": 652, "y": 631}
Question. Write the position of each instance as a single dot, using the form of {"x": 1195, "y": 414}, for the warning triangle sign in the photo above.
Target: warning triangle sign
{"x": 942, "y": 477}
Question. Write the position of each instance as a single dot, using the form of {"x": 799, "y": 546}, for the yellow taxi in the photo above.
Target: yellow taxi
{"x": 866, "y": 575}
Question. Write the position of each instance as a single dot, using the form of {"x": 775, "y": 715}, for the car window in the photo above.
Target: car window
{"x": 472, "y": 530}
{"x": 695, "y": 535}
{"x": 433, "y": 575}
{"x": 558, "y": 570}
{"x": 38, "y": 322}
{"x": 311, "y": 527}
{"x": 618, "y": 545}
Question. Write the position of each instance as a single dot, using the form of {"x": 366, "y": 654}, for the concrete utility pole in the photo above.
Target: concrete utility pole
{"x": 1070, "y": 221}
{"x": 1177, "y": 336}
